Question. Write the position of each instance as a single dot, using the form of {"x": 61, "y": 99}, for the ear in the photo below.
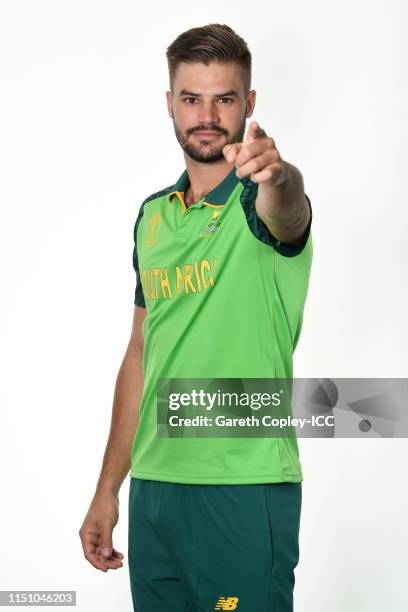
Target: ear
{"x": 169, "y": 99}
{"x": 251, "y": 99}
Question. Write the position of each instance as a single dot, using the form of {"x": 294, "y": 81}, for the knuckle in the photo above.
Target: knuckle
{"x": 260, "y": 164}
{"x": 255, "y": 165}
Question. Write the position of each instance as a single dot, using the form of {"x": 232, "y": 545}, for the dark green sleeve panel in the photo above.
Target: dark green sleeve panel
{"x": 139, "y": 299}
{"x": 260, "y": 230}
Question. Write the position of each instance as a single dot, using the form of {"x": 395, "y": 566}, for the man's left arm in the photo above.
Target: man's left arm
{"x": 284, "y": 208}
{"x": 281, "y": 202}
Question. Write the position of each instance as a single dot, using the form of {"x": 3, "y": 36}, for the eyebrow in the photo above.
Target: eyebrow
{"x": 231, "y": 92}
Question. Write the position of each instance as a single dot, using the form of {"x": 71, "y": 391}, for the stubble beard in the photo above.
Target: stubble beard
{"x": 207, "y": 152}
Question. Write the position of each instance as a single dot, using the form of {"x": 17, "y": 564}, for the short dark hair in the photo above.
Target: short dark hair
{"x": 213, "y": 42}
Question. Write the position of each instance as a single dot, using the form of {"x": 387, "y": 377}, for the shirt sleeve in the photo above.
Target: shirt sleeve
{"x": 261, "y": 231}
{"x": 290, "y": 250}
{"x": 139, "y": 299}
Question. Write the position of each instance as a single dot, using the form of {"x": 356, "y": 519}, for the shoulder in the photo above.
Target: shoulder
{"x": 158, "y": 194}
{"x": 150, "y": 198}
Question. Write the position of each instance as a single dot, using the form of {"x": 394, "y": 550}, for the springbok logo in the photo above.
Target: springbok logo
{"x": 152, "y": 229}
{"x": 209, "y": 230}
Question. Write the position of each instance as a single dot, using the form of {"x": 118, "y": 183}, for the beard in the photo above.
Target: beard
{"x": 206, "y": 151}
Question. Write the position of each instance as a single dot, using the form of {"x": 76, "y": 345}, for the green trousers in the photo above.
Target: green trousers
{"x": 197, "y": 548}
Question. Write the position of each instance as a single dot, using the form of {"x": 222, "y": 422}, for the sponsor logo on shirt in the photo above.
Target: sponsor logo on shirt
{"x": 227, "y": 603}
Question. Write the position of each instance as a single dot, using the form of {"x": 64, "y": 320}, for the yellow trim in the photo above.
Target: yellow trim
{"x": 180, "y": 197}
{"x": 213, "y": 205}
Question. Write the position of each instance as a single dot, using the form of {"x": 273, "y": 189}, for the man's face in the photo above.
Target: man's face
{"x": 209, "y": 108}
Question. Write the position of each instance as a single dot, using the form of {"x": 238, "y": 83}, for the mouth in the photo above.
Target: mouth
{"x": 207, "y": 134}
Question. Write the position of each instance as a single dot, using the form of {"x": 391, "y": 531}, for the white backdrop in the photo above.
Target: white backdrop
{"x": 85, "y": 137}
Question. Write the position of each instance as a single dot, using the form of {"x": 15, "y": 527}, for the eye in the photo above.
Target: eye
{"x": 189, "y": 99}
{"x": 227, "y": 99}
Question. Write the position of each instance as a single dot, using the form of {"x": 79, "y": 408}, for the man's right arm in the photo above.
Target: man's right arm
{"x": 103, "y": 514}
{"x": 125, "y": 412}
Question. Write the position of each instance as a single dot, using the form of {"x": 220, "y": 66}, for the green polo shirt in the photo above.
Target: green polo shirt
{"x": 224, "y": 299}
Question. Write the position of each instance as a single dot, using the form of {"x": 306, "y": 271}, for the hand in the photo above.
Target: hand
{"x": 257, "y": 157}
{"x": 96, "y": 532}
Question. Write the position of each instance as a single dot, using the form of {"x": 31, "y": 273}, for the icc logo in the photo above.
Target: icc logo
{"x": 152, "y": 228}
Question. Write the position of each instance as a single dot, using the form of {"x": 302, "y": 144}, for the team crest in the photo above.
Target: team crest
{"x": 209, "y": 230}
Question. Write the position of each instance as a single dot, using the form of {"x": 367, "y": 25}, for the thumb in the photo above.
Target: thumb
{"x": 231, "y": 151}
{"x": 106, "y": 546}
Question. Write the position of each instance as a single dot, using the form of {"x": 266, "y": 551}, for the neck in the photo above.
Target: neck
{"x": 204, "y": 178}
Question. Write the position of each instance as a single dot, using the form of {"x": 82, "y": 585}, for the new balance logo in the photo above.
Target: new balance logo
{"x": 226, "y": 603}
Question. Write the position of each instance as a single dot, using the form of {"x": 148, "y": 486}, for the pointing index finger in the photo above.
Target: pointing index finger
{"x": 254, "y": 131}
{"x": 250, "y": 135}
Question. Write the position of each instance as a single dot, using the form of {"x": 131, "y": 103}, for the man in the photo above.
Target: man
{"x": 222, "y": 259}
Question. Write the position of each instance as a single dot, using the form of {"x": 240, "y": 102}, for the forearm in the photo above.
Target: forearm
{"x": 283, "y": 208}
{"x": 124, "y": 422}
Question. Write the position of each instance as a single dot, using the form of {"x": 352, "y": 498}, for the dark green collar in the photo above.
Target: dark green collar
{"x": 219, "y": 195}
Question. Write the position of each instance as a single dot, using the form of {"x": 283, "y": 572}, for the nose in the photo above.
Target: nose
{"x": 208, "y": 113}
